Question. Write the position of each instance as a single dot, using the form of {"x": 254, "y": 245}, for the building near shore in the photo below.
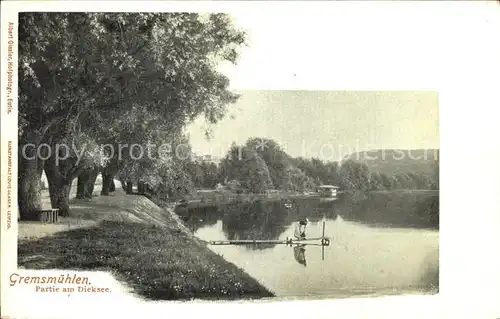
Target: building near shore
{"x": 327, "y": 190}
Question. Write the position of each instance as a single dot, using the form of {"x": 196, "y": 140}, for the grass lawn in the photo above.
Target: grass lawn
{"x": 157, "y": 262}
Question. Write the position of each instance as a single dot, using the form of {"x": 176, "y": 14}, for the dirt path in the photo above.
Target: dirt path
{"x": 117, "y": 207}
{"x": 139, "y": 244}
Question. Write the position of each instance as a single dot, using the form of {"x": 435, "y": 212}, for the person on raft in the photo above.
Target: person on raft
{"x": 300, "y": 229}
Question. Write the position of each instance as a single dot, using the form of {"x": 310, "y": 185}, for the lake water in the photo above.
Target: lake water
{"x": 379, "y": 245}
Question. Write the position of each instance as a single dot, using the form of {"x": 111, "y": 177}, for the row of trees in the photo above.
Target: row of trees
{"x": 115, "y": 79}
{"x": 93, "y": 86}
{"x": 261, "y": 164}
{"x": 203, "y": 175}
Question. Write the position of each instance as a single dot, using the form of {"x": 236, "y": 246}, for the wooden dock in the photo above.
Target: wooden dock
{"x": 320, "y": 241}
{"x": 317, "y": 241}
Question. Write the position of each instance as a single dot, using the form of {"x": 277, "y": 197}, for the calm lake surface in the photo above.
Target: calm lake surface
{"x": 384, "y": 244}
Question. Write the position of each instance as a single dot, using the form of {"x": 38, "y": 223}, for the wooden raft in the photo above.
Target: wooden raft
{"x": 323, "y": 241}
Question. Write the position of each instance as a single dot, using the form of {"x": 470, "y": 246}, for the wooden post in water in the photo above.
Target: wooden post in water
{"x": 191, "y": 219}
{"x": 323, "y": 246}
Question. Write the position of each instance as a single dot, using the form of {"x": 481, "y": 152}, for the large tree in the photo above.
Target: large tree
{"x": 81, "y": 73}
{"x": 244, "y": 165}
{"x": 52, "y": 93}
{"x": 209, "y": 175}
{"x": 298, "y": 181}
{"x": 276, "y": 159}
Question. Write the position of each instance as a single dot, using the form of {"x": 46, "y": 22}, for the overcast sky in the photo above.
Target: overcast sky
{"x": 327, "y": 124}
{"x": 303, "y": 74}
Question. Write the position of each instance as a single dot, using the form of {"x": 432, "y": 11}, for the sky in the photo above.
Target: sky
{"x": 322, "y": 84}
{"x": 326, "y": 124}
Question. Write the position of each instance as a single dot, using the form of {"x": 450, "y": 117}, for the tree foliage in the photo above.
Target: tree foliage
{"x": 298, "y": 181}
{"x": 245, "y": 165}
{"x": 276, "y": 159}
{"x": 119, "y": 78}
{"x": 302, "y": 174}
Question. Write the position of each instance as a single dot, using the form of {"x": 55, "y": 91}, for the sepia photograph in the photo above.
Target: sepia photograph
{"x": 178, "y": 156}
{"x": 136, "y": 157}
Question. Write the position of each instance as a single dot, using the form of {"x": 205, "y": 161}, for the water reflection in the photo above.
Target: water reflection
{"x": 362, "y": 257}
{"x": 416, "y": 209}
{"x": 257, "y": 220}
{"x": 268, "y": 220}
{"x": 299, "y": 252}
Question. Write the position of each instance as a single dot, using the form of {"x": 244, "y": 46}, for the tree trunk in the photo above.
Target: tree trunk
{"x": 59, "y": 187}
{"x": 28, "y": 191}
{"x": 29, "y": 179}
{"x": 107, "y": 180}
{"x": 86, "y": 182}
{"x": 81, "y": 187}
{"x": 112, "y": 186}
{"x": 130, "y": 188}
{"x": 93, "y": 178}
{"x": 140, "y": 188}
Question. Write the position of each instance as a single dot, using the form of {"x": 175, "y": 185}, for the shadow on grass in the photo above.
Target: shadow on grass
{"x": 157, "y": 262}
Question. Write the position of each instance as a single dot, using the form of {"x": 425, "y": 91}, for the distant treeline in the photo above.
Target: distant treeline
{"x": 261, "y": 165}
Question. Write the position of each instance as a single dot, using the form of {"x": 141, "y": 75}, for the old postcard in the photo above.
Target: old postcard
{"x": 268, "y": 156}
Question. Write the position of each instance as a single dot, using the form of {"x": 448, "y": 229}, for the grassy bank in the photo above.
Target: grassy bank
{"x": 151, "y": 252}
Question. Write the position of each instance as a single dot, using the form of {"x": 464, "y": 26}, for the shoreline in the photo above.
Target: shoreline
{"x": 378, "y": 218}
{"x": 213, "y": 199}
{"x": 144, "y": 246}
